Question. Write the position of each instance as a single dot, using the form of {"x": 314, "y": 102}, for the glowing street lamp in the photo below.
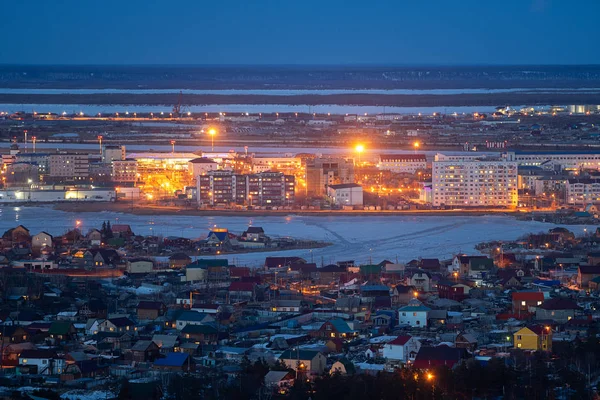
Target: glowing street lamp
{"x": 416, "y": 146}
{"x": 173, "y": 146}
{"x": 100, "y": 143}
{"x": 34, "y": 139}
{"x": 212, "y": 132}
{"x": 359, "y": 149}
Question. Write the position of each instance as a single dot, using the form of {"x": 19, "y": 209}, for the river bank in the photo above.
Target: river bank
{"x": 127, "y": 208}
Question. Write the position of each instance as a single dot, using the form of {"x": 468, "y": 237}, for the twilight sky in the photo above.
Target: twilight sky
{"x": 299, "y": 32}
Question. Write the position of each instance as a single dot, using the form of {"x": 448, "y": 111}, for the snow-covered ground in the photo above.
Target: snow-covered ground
{"x": 359, "y": 238}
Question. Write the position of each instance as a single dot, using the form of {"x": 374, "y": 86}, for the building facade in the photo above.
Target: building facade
{"x": 345, "y": 194}
{"x": 124, "y": 171}
{"x": 69, "y": 167}
{"x": 474, "y": 182}
{"x": 402, "y": 163}
{"x": 583, "y": 191}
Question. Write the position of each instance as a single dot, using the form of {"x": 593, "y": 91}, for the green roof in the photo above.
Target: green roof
{"x": 199, "y": 329}
{"x": 481, "y": 264}
{"x": 370, "y": 269}
{"x": 60, "y": 328}
{"x": 340, "y": 326}
{"x": 299, "y": 354}
{"x": 207, "y": 263}
{"x": 414, "y": 308}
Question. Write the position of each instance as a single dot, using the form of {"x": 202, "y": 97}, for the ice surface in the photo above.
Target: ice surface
{"x": 364, "y": 239}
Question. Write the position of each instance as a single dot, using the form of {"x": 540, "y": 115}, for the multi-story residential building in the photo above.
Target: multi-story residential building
{"x": 583, "y": 191}
{"x": 402, "y": 163}
{"x": 39, "y": 159}
{"x": 564, "y": 160}
{"x": 474, "y": 182}
{"x": 263, "y": 189}
{"x": 287, "y": 165}
{"x": 201, "y": 165}
{"x": 322, "y": 172}
{"x": 124, "y": 171}
{"x": 112, "y": 153}
{"x": 69, "y": 167}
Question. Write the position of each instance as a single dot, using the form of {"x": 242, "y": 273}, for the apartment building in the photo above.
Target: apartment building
{"x": 583, "y": 191}
{"x": 111, "y": 152}
{"x": 570, "y": 161}
{"x": 124, "y": 171}
{"x": 402, "y": 163}
{"x": 69, "y": 167}
{"x": 322, "y": 172}
{"x": 472, "y": 182}
{"x": 263, "y": 189}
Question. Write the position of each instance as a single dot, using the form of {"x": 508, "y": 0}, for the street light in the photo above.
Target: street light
{"x": 359, "y": 149}
{"x": 100, "y": 143}
{"x": 416, "y": 145}
{"x": 173, "y": 146}
{"x": 212, "y": 132}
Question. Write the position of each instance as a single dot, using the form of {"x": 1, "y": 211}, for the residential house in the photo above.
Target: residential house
{"x": 94, "y": 236}
{"x": 465, "y": 341}
{"x": 343, "y": 366}
{"x": 421, "y": 280}
{"x": 179, "y": 260}
{"x": 335, "y": 328}
{"x": 443, "y": 355}
{"x": 348, "y": 304}
{"x": 140, "y": 265}
{"x": 144, "y": 351}
{"x": 42, "y": 362}
{"x": 311, "y": 362}
{"x": 175, "y": 362}
{"x": 453, "y": 290}
{"x": 404, "y": 349}
{"x": 62, "y": 331}
{"x": 559, "y": 310}
{"x": 192, "y": 318}
{"x": 430, "y": 264}
{"x": 150, "y": 310}
{"x": 287, "y": 306}
{"x": 119, "y": 325}
{"x": 16, "y": 237}
{"x": 240, "y": 291}
{"x": 414, "y": 314}
{"x": 279, "y": 381}
{"x": 533, "y": 337}
{"x": 331, "y": 273}
{"x": 254, "y": 234}
{"x": 13, "y": 334}
{"x": 42, "y": 239}
{"x": 122, "y": 231}
{"x": 402, "y": 294}
{"x": 526, "y": 301}
{"x": 586, "y": 273}
{"x": 97, "y": 258}
{"x": 205, "y": 334}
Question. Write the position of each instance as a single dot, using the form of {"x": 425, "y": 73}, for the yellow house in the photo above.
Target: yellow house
{"x": 534, "y": 338}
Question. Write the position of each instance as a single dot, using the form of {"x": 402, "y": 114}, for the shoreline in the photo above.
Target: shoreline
{"x": 410, "y": 100}
{"x": 154, "y": 210}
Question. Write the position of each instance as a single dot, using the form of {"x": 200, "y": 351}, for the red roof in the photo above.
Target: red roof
{"x": 401, "y": 340}
{"x": 237, "y": 272}
{"x": 120, "y": 228}
{"x": 241, "y": 287}
{"x": 528, "y": 296}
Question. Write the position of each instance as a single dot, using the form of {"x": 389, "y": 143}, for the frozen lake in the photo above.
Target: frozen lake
{"x": 359, "y": 238}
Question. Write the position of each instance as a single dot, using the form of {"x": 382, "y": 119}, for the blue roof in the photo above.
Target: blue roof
{"x": 341, "y": 326}
{"x": 172, "y": 360}
{"x": 219, "y": 235}
{"x": 374, "y": 288}
{"x": 192, "y": 316}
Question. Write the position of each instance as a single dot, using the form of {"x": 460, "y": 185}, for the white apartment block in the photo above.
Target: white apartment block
{"x": 402, "y": 163}
{"x": 583, "y": 191}
{"x": 567, "y": 161}
{"x": 472, "y": 182}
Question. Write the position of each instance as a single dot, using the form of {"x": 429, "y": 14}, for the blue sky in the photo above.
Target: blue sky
{"x": 299, "y": 32}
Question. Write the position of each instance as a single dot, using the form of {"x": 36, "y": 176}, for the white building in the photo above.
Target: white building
{"x": 567, "y": 161}
{"x": 414, "y": 314}
{"x": 202, "y": 165}
{"x": 44, "y": 362}
{"x": 403, "y": 348}
{"x": 288, "y": 165}
{"x": 473, "y": 182}
{"x": 402, "y": 163}
{"x": 69, "y": 166}
{"x": 112, "y": 153}
{"x": 346, "y": 194}
{"x": 583, "y": 191}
